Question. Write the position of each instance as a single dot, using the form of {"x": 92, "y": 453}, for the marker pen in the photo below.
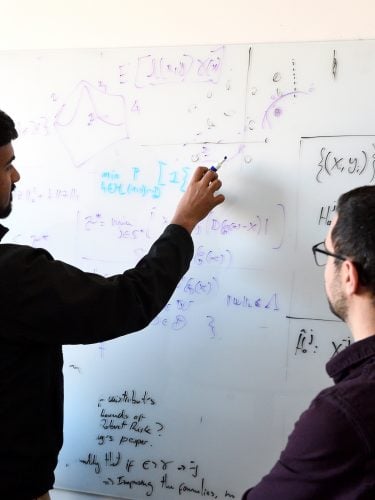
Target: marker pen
{"x": 214, "y": 169}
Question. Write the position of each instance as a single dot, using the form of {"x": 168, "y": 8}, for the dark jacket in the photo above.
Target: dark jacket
{"x": 46, "y": 303}
{"x": 330, "y": 454}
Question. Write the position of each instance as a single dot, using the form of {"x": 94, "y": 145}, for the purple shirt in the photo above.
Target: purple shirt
{"x": 330, "y": 455}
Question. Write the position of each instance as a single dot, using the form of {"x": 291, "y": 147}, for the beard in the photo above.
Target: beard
{"x": 338, "y": 303}
{"x": 7, "y": 210}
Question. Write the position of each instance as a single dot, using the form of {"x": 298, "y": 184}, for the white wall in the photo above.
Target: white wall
{"x": 112, "y": 23}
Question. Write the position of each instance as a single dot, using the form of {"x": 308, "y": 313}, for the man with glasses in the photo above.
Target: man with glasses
{"x": 331, "y": 452}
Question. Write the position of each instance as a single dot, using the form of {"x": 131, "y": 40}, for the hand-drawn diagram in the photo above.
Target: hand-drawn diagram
{"x": 274, "y": 110}
{"x": 89, "y": 121}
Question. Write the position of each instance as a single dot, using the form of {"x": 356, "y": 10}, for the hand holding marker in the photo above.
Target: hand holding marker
{"x": 215, "y": 169}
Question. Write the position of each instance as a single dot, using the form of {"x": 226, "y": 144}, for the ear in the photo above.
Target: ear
{"x": 350, "y": 278}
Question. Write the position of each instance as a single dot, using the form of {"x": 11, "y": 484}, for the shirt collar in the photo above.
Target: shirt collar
{"x": 341, "y": 364}
{"x": 3, "y": 231}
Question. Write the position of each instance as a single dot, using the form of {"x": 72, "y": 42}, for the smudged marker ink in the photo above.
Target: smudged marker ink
{"x": 214, "y": 169}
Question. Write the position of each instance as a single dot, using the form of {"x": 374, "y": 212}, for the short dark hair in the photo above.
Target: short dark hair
{"x": 8, "y": 130}
{"x": 354, "y": 232}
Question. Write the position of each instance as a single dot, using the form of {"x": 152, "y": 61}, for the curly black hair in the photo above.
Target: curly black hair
{"x": 8, "y": 130}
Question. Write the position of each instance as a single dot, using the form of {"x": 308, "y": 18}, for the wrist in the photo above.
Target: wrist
{"x": 185, "y": 223}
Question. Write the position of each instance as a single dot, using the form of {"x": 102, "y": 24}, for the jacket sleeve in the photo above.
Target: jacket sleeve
{"x": 51, "y": 301}
{"x": 318, "y": 462}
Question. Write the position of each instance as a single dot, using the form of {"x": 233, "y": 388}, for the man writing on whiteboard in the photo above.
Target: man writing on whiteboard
{"x": 331, "y": 451}
{"x": 47, "y": 303}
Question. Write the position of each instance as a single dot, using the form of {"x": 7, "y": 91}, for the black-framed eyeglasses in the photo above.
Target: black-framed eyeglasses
{"x": 321, "y": 254}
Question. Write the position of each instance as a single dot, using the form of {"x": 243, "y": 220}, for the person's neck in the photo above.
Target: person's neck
{"x": 361, "y": 318}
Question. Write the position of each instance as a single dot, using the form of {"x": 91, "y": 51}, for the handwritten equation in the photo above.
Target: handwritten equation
{"x": 139, "y": 183}
{"x": 308, "y": 342}
{"x": 37, "y": 194}
{"x": 156, "y": 69}
{"x": 333, "y": 163}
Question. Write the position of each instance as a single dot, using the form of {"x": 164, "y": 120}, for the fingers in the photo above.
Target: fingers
{"x": 199, "y": 173}
{"x": 219, "y": 198}
{"x": 199, "y": 198}
{"x": 210, "y": 176}
{"x": 209, "y": 179}
{"x": 212, "y": 187}
{"x": 203, "y": 174}
{"x": 215, "y": 185}
{"x": 212, "y": 183}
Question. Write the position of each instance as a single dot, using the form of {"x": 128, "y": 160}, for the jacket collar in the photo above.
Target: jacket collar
{"x": 339, "y": 366}
{"x": 3, "y": 231}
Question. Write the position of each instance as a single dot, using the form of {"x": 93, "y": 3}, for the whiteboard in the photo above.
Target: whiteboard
{"x": 201, "y": 402}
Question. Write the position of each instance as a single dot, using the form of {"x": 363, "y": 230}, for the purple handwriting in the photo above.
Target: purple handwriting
{"x": 274, "y": 110}
{"x": 268, "y": 303}
{"x": 257, "y": 225}
{"x": 156, "y": 70}
{"x": 195, "y": 286}
{"x": 90, "y": 110}
{"x": 204, "y": 256}
{"x": 37, "y": 194}
{"x": 39, "y": 126}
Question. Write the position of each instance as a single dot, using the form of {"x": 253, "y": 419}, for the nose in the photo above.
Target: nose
{"x": 15, "y": 175}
